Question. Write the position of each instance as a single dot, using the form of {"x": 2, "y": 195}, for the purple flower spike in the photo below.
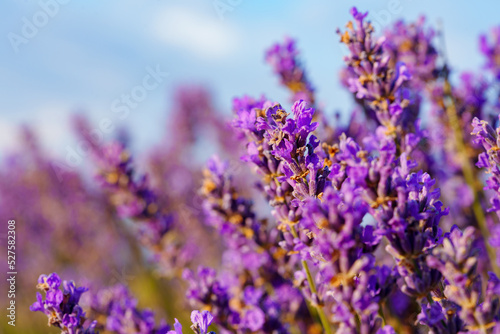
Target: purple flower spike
{"x": 490, "y": 160}
{"x": 177, "y": 327}
{"x": 285, "y": 62}
{"x": 491, "y": 51}
{"x": 201, "y": 321}
{"x": 253, "y": 255}
{"x": 133, "y": 197}
{"x": 292, "y": 142}
{"x": 457, "y": 260}
{"x": 117, "y": 305}
{"x": 378, "y": 82}
{"x": 412, "y": 43}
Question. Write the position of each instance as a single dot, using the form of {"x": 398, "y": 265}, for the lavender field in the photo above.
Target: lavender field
{"x": 244, "y": 167}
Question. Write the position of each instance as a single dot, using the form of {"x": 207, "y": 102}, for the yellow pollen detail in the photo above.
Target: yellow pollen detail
{"x": 345, "y": 37}
{"x": 152, "y": 208}
{"x": 112, "y": 178}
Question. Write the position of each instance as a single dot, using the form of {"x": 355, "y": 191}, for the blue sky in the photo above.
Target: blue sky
{"x": 91, "y": 52}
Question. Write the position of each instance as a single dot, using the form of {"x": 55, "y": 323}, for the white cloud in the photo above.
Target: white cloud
{"x": 52, "y": 126}
{"x": 49, "y": 121}
{"x": 197, "y": 32}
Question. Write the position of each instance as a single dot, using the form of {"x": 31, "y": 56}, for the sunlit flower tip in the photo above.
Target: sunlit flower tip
{"x": 177, "y": 328}
{"x": 201, "y": 321}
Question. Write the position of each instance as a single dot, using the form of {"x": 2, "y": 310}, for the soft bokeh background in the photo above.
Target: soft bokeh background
{"x": 93, "y": 51}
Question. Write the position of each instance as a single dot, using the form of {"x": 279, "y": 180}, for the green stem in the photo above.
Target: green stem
{"x": 381, "y": 314}
{"x": 312, "y": 286}
{"x": 468, "y": 172}
{"x": 144, "y": 269}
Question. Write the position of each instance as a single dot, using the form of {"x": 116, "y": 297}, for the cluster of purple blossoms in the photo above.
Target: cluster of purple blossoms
{"x": 285, "y": 63}
{"x": 201, "y": 321}
{"x": 492, "y": 51}
{"x": 302, "y": 164}
{"x": 119, "y": 308}
{"x": 412, "y": 45}
{"x": 352, "y": 235}
{"x": 134, "y": 199}
{"x": 489, "y": 139}
{"x": 258, "y": 153}
{"x": 292, "y": 142}
{"x": 62, "y": 306}
{"x": 115, "y": 305}
{"x": 462, "y": 305}
{"x": 237, "y": 306}
{"x": 373, "y": 80}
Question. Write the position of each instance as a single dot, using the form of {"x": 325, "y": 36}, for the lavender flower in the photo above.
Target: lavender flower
{"x": 292, "y": 142}
{"x": 206, "y": 291}
{"x": 268, "y": 167}
{"x": 201, "y": 321}
{"x": 413, "y": 231}
{"x": 233, "y": 216}
{"x": 372, "y": 79}
{"x": 53, "y": 202}
{"x": 491, "y": 51}
{"x": 115, "y": 305}
{"x": 488, "y": 137}
{"x": 352, "y": 238}
{"x": 284, "y": 60}
{"x": 119, "y": 309}
{"x": 469, "y": 100}
{"x": 490, "y": 48}
{"x": 61, "y": 306}
{"x": 413, "y": 44}
{"x": 405, "y": 208}
{"x": 457, "y": 261}
{"x": 253, "y": 256}
{"x": 346, "y": 268}
{"x": 134, "y": 199}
